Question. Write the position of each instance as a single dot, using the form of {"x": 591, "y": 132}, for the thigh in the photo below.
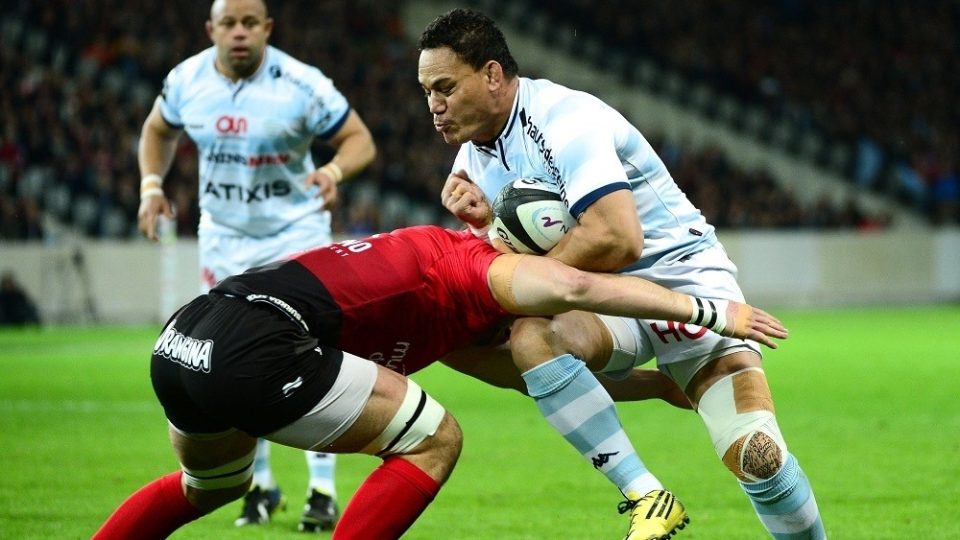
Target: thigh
{"x": 205, "y": 451}
{"x": 491, "y": 364}
{"x": 349, "y": 420}
{"x": 682, "y": 350}
{"x": 359, "y": 383}
{"x": 703, "y": 375}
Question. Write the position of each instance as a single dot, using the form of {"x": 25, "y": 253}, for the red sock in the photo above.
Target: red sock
{"x": 387, "y": 503}
{"x": 154, "y": 511}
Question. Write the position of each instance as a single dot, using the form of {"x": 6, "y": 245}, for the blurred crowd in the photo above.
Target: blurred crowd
{"x": 80, "y": 77}
{"x": 878, "y": 76}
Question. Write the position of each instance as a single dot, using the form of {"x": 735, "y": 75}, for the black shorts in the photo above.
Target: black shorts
{"x": 223, "y": 362}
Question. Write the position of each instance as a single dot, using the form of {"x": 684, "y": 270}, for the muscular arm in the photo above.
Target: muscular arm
{"x": 608, "y": 237}
{"x": 355, "y": 146}
{"x": 355, "y": 150}
{"x": 531, "y": 285}
{"x": 158, "y": 144}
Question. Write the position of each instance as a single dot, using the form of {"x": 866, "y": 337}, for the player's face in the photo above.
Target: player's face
{"x": 460, "y": 98}
{"x": 239, "y": 29}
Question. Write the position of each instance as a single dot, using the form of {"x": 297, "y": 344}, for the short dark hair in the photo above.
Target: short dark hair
{"x": 472, "y": 35}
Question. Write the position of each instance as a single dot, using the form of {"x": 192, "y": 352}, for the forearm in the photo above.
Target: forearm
{"x": 355, "y": 149}
{"x": 607, "y": 237}
{"x": 598, "y": 254}
{"x": 353, "y": 155}
{"x": 155, "y": 152}
{"x": 630, "y": 296}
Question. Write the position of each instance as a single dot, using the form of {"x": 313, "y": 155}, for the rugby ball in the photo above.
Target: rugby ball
{"x": 530, "y": 216}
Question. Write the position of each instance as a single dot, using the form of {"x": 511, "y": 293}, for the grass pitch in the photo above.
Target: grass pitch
{"x": 867, "y": 400}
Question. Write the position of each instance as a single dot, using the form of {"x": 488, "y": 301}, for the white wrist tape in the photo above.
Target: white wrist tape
{"x": 333, "y": 171}
{"x": 151, "y": 192}
{"x": 151, "y": 185}
{"x": 709, "y": 313}
{"x": 151, "y": 179}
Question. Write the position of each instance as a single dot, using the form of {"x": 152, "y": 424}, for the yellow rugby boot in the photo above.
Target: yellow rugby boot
{"x": 658, "y": 515}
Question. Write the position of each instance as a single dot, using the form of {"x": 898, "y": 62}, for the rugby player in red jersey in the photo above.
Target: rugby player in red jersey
{"x": 282, "y": 352}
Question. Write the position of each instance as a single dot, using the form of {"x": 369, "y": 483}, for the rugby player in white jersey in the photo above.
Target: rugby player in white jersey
{"x": 632, "y": 218}
{"x": 253, "y": 112}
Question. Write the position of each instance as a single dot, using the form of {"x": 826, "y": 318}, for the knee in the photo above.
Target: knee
{"x": 738, "y": 412}
{"x": 754, "y": 456}
{"x": 531, "y": 341}
{"x": 534, "y": 340}
{"x": 448, "y": 440}
{"x": 437, "y": 455}
{"x": 211, "y": 478}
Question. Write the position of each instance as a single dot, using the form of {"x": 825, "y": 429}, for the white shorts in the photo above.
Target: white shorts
{"x": 680, "y": 349}
{"x": 223, "y": 255}
{"x": 336, "y": 412}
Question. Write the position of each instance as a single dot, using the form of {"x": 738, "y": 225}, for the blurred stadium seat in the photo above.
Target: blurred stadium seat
{"x": 82, "y": 85}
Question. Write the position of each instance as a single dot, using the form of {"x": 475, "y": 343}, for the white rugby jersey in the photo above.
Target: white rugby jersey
{"x": 254, "y": 138}
{"x": 589, "y": 150}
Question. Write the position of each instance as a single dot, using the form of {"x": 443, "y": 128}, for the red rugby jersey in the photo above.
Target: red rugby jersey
{"x": 403, "y": 299}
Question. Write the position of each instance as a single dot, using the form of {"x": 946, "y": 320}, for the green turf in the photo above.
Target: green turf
{"x": 867, "y": 400}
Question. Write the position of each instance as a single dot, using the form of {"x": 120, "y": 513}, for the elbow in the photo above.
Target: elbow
{"x": 371, "y": 152}
{"x": 618, "y": 252}
{"x": 368, "y": 153}
{"x": 574, "y": 287}
{"x": 628, "y": 253}
{"x": 614, "y": 247}
{"x": 628, "y": 246}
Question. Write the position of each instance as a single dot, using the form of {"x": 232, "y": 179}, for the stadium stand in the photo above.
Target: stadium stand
{"x": 863, "y": 88}
{"x": 82, "y": 78}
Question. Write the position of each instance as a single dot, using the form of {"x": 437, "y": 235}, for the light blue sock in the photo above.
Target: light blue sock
{"x": 262, "y": 475}
{"x": 576, "y": 405}
{"x": 321, "y": 468}
{"x": 785, "y": 504}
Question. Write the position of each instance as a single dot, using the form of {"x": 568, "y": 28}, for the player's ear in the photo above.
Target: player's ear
{"x": 493, "y": 73}
{"x": 209, "y": 27}
{"x": 268, "y": 26}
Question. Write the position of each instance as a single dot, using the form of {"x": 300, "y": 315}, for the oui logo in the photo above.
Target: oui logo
{"x": 233, "y": 125}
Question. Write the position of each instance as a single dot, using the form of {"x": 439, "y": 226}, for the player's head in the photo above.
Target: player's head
{"x": 239, "y": 29}
{"x": 467, "y": 73}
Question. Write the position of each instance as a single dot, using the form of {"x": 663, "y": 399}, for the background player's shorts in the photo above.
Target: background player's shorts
{"x": 680, "y": 349}
{"x": 222, "y": 362}
{"x": 223, "y": 255}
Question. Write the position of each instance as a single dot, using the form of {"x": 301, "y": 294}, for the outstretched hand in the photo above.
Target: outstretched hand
{"x": 746, "y": 321}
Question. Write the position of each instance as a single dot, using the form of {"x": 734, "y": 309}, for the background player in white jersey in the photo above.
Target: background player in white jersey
{"x": 253, "y": 112}
{"x": 634, "y": 219}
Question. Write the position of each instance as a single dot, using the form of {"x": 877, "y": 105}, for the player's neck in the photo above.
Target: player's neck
{"x": 503, "y": 107}
{"x": 236, "y": 75}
